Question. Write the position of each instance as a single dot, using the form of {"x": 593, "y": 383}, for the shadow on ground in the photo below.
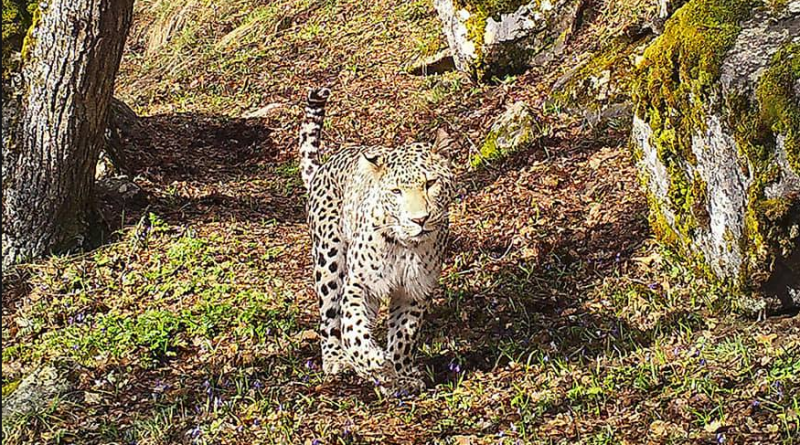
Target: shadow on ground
{"x": 206, "y": 168}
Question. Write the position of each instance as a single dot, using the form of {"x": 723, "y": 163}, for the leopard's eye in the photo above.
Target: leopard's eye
{"x": 430, "y": 183}
{"x": 396, "y": 191}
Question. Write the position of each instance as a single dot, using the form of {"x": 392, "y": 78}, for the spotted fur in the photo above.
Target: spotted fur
{"x": 378, "y": 218}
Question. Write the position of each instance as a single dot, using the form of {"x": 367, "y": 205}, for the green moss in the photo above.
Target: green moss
{"x": 491, "y": 8}
{"x": 17, "y": 20}
{"x": 756, "y": 126}
{"x": 10, "y": 387}
{"x": 488, "y": 152}
{"x": 677, "y": 87}
{"x": 779, "y": 104}
{"x": 674, "y": 86}
{"x": 505, "y": 139}
{"x": 662, "y": 229}
{"x": 778, "y": 5}
{"x": 30, "y": 40}
{"x": 680, "y": 69}
{"x": 480, "y": 11}
{"x": 613, "y": 57}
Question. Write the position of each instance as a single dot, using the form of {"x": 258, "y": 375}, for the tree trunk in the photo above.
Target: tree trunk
{"x": 68, "y": 77}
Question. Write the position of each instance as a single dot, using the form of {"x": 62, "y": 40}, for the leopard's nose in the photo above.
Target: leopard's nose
{"x": 421, "y": 220}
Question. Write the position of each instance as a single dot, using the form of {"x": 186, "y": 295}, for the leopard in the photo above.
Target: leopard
{"x": 378, "y": 218}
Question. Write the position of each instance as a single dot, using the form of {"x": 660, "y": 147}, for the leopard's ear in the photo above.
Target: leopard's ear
{"x": 443, "y": 143}
{"x": 372, "y": 162}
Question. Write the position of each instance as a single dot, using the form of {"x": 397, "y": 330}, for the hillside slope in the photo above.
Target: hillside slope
{"x": 559, "y": 320}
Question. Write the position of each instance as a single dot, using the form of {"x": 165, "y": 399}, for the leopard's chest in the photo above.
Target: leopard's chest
{"x": 413, "y": 270}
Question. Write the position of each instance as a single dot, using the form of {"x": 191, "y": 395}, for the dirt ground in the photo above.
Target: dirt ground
{"x": 559, "y": 321}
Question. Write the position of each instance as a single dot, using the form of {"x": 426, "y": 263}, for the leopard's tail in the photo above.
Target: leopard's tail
{"x": 310, "y": 133}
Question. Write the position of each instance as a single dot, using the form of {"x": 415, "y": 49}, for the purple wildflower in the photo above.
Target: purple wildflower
{"x": 316, "y": 442}
{"x": 720, "y": 437}
{"x": 195, "y": 432}
{"x": 653, "y": 286}
{"x": 257, "y": 385}
{"x": 779, "y": 388}
{"x": 755, "y": 404}
{"x": 454, "y": 367}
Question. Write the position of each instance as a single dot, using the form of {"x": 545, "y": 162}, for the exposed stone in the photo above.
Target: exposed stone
{"x": 35, "y": 392}
{"x": 716, "y": 144}
{"x": 488, "y": 39}
{"x": 512, "y": 131}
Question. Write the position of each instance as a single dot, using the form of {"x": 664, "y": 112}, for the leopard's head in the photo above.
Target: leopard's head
{"x": 415, "y": 188}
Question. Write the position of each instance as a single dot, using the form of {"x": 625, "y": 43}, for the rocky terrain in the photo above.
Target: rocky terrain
{"x": 622, "y": 268}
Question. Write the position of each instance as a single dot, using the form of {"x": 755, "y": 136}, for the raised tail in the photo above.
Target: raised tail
{"x": 310, "y": 133}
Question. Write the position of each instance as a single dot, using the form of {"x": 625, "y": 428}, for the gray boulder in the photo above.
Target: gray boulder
{"x": 497, "y": 38}
{"x": 35, "y": 393}
{"x": 513, "y": 130}
{"x": 716, "y": 137}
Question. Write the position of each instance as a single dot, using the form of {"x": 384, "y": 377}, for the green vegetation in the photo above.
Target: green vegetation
{"x": 676, "y": 86}
{"x": 513, "y": 59}
{"x": 513, "y": 134}
{"x": 778, "y": 101}
{"x": 767, "y": 223}
{"x": 679, "y": 72}
{"x": 18, "y": 15}
{"x": 480, "y": 11}
{"x": 559, "y": 321}
{"x": 604, "y": 79}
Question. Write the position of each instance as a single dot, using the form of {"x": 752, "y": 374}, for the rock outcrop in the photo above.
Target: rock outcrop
{"x": 490, "y": 38}
{"x": 35, "y": 392}
{"x": 513, "y": 130}
{"x": 716, "y": 135}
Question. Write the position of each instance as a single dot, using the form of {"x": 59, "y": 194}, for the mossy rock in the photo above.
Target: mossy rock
{"x": 514, "y": 130}
{"x": 715, "y": 136}
{"x": 36, "y": 391}
{"x": 493, "y": 38}
{"x": 17, "y": 19}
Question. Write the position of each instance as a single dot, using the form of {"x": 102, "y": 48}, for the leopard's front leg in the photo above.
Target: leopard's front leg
{"x": 405, "y": 320}
{"x": 358, "y": 316}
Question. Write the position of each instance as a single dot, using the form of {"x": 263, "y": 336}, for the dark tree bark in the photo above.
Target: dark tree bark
{"x": 49, "y": 160}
